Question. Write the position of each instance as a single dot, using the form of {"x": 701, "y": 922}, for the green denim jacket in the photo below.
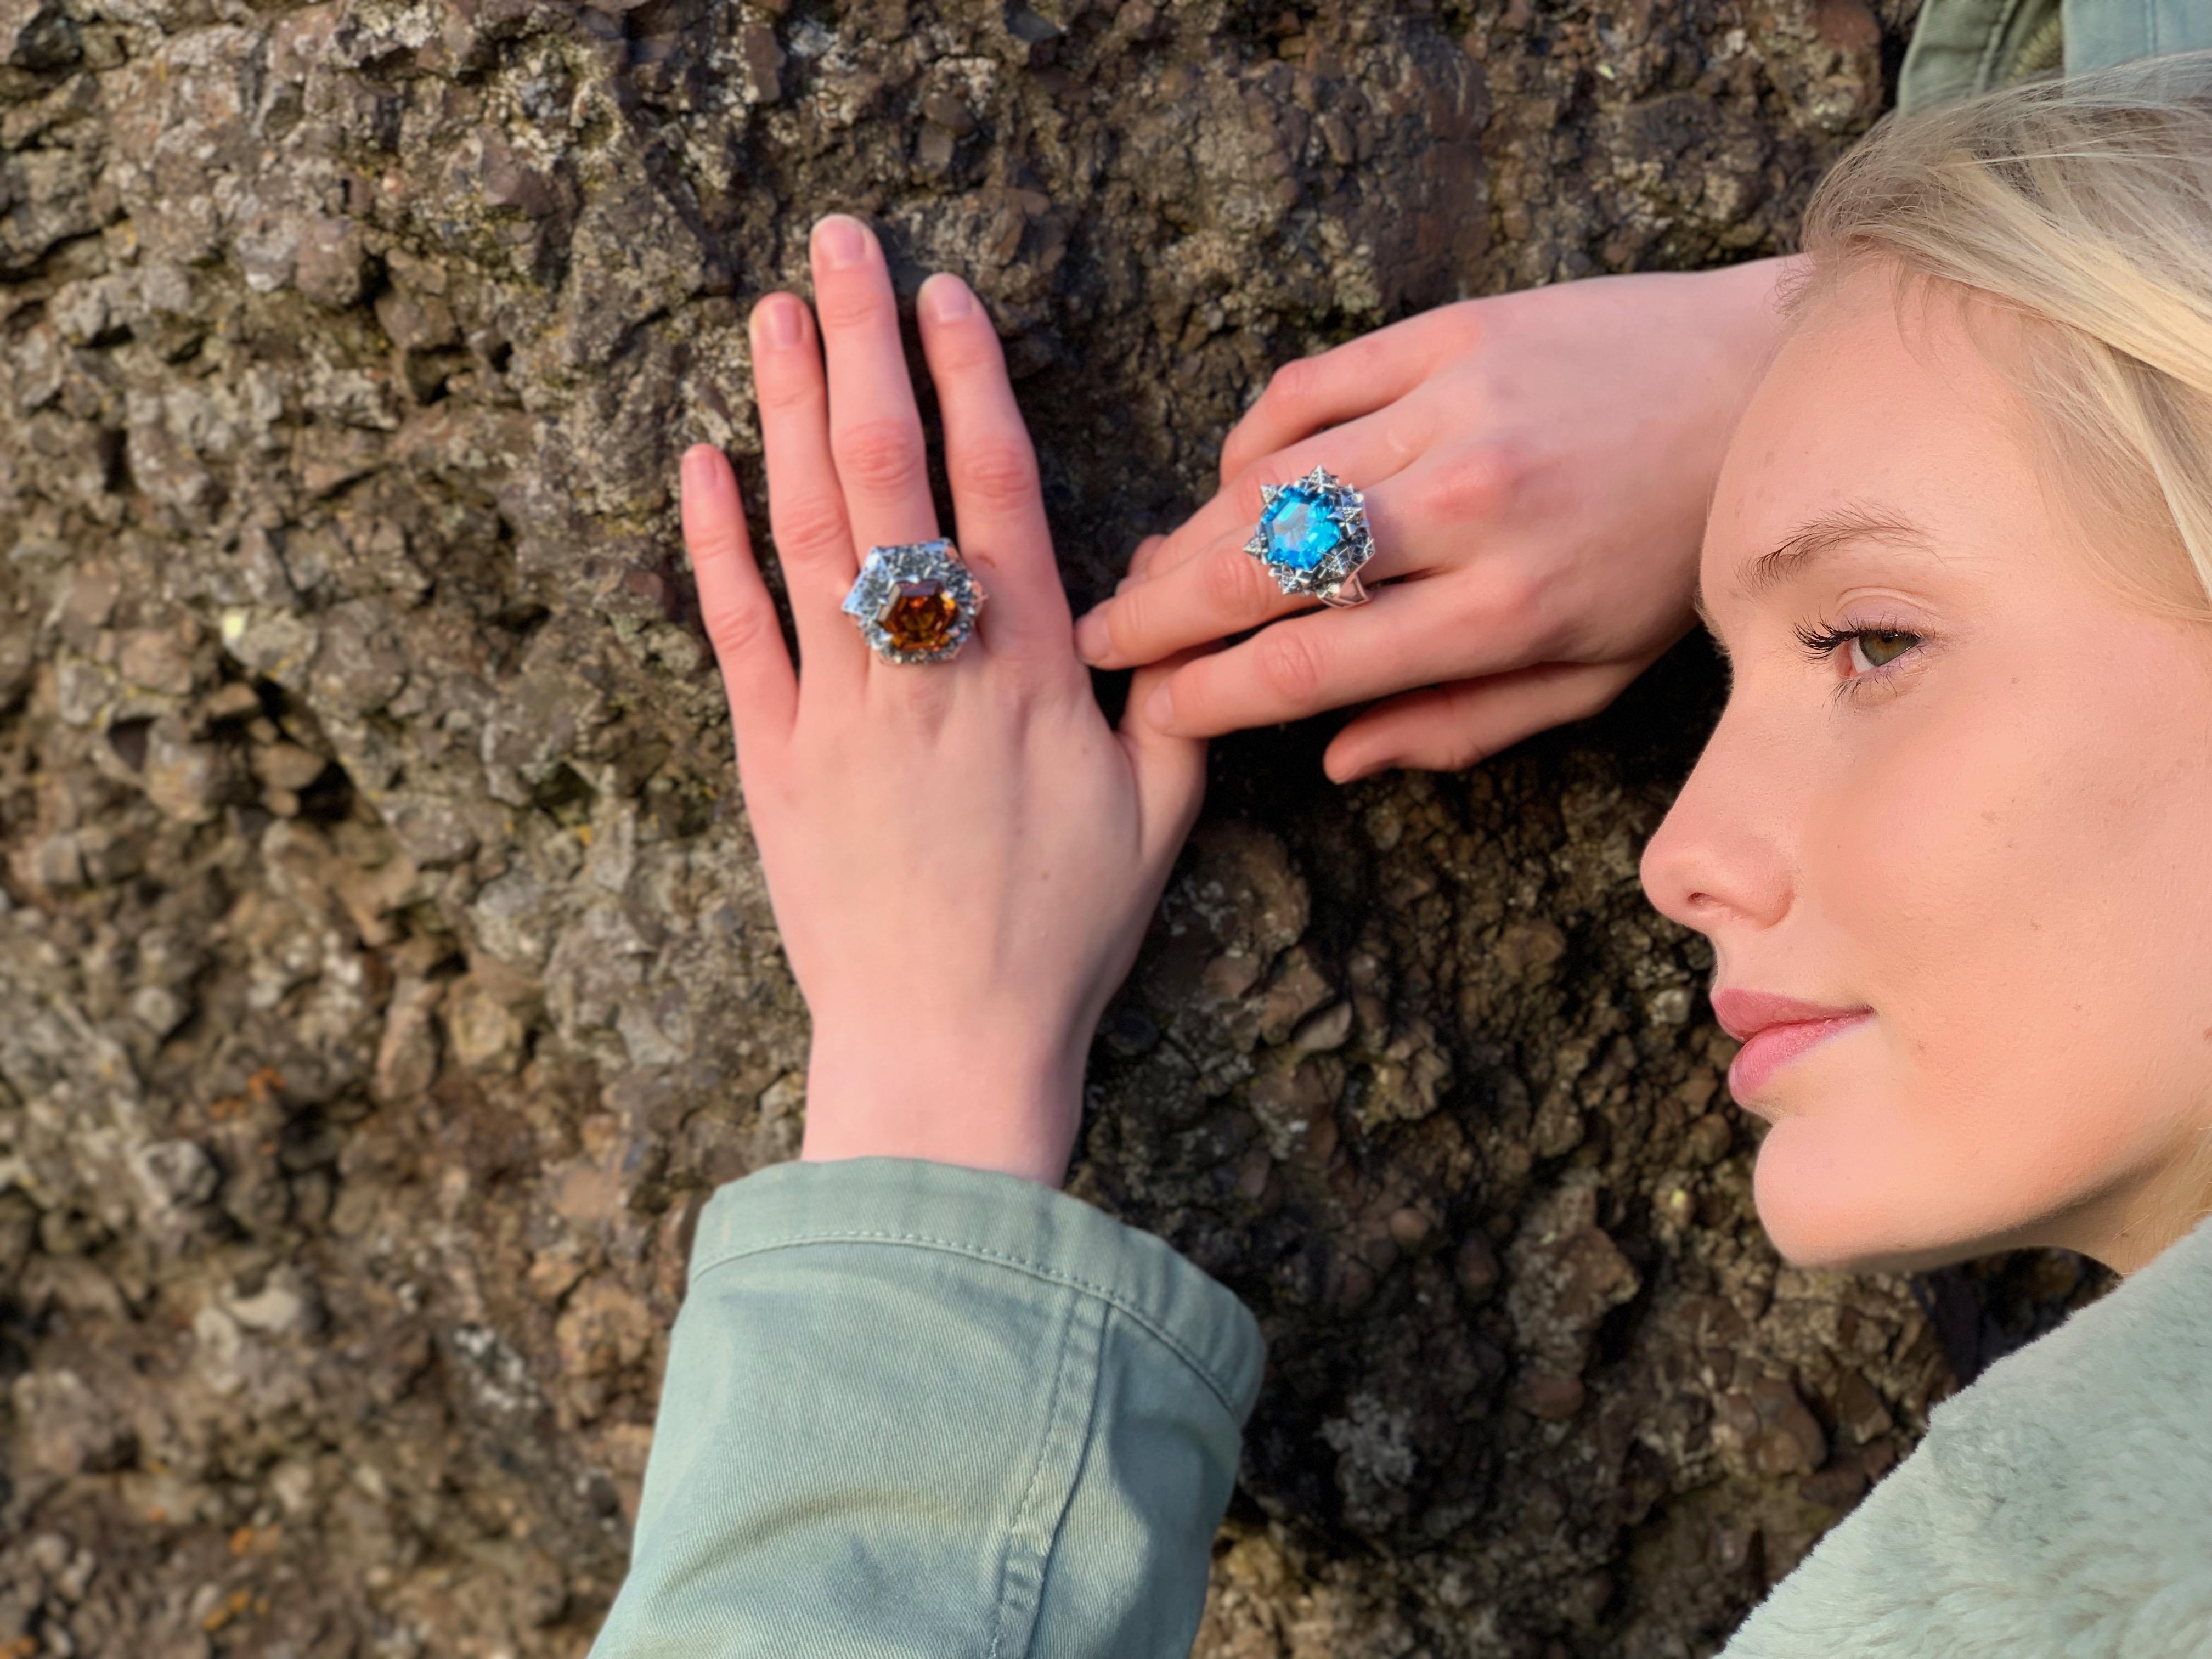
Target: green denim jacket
{"x": 1961, "y": 47}
{"x": 916, "y": 1411}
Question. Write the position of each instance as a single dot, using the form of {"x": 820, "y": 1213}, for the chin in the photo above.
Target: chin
{"x": 1823, "y": 1214}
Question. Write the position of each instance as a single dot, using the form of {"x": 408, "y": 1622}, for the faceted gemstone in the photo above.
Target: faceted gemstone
{"x": 920, "y": 618}
{"x": 1300, "y": 530}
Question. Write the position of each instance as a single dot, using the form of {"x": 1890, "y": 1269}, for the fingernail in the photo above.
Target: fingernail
{"x": 948, "y": 298}
{"x": 843, "y": 241}
{"x": 697, "y": 460}
{"x": 1159, "y": 707}
{"x": 778, "y": 321}
{"x": 1090, "y": 637}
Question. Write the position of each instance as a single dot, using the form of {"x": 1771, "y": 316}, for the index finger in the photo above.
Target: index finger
{"x": 1309, "y": 393}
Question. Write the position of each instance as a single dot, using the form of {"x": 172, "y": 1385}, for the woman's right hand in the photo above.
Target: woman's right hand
{"x": 1536, "y": 468}
{"x": 962, "y": 855}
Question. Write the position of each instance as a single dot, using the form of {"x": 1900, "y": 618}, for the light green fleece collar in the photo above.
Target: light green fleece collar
{"x": 2060, "y": 1508}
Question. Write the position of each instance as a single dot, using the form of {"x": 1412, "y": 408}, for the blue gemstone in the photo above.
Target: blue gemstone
{"x": 1300, "y": 530}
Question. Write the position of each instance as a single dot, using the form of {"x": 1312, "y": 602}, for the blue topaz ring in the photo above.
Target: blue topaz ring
{"x": 915, "y": 602}
{"x": 1313, "y": 537}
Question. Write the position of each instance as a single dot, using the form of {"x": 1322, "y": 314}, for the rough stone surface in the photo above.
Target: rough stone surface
{"x": 386, "y": 974}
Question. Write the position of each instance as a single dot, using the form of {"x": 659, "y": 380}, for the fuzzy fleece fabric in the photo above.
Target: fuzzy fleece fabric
{"x": 2058, "y": 1508}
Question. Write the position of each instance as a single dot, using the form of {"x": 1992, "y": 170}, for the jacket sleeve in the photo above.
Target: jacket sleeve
{"x": 916, "y": 1409}
{"x": 1962, "y": 47}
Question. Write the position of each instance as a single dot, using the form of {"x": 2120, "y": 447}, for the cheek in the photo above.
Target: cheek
{"x": 2019, "y": 888}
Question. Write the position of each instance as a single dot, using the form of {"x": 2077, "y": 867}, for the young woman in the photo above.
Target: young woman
{"x": 1949, "y": 841}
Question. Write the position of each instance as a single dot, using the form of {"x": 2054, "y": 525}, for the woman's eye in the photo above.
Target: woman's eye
{"x": 1872, "y": 647}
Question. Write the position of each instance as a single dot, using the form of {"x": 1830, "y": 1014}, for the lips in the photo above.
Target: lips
{"x": 1774, "y": 1030}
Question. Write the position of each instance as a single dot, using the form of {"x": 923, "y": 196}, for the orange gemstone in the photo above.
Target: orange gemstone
{"x": 921, "y": 618}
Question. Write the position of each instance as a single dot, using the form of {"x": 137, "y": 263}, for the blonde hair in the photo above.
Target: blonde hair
{"x": 2081, "y": 208}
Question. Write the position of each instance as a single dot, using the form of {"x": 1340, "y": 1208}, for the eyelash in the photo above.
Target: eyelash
{"x": 1821, "y": 643}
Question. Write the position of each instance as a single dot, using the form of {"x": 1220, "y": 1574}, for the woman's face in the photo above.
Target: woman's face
{"x": 1960, "y": 801}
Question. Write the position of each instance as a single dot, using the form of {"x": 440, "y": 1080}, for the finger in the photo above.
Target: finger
{"x": 1139, "y": 561}
{"x": 1170, "y": 771}
{"x": 1408, "y": 635}
{"x": 1366, "y": 453}
{"x": 1225, "y": 590}
{"x": 1354, "y": 378}
{"x": 996, "y": 502}
{"x": 875, "y": 432}
{"x": 1450, "y": 727}
{"x": 735, "y": 606}
{"x": 805, "y": 505}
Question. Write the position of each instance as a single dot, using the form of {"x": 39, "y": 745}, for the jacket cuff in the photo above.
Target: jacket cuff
{"x": 986, "y": 1215}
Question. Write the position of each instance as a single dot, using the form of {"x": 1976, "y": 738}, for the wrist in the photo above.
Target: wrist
{"x": 875, "y": 1094}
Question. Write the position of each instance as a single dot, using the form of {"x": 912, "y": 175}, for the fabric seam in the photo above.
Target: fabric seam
{"x": 1046, "y": 1454}
{"x": 1985, "y": 76}
{"x": 1037, "y": 1269}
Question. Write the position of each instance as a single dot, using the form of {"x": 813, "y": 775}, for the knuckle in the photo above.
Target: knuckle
{"x": 1479, "y": 482}
{"x": 1596, "y": 692}
{"x": 967, "y": 353}
{"x": 1227, "y": 582}
{"x": 1462, "y": 753}
{"x": 1293, "y": 383}
{"x": 736, "y": 628}
{"x": 1517, "y": 598}
{"x": 783, "y": 388}
{"x": 1290, "y": 664}
{"x": 807, "y": 527}
{"x": 1141, "y": 559}
{"x": 880, "y": 455}
{"x": 1244, "y": 493}
{"x": 1233, "y": 458}
{"x": 1465, "y": 323}
{"x": 1128, "y": 622}
{"x": 997, "y": 474}
{"x": 1518, "y": 605}
{"x": 1405, "y": 432}
{"x": 841, "y": 305}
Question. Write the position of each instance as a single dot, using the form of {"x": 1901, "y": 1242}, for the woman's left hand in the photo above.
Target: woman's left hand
{"x": 962, "y": 855}
{"x": 1536, "y": 467}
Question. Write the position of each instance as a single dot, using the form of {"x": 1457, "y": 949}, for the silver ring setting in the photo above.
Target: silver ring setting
{"x": 1313, "y": 537}
{"x": 915, "y": 602}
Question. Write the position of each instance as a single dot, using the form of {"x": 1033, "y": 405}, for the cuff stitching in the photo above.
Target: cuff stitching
{"x": 1104, "y": 1293}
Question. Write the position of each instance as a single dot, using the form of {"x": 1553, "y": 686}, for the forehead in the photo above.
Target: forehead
{"x": 1870, "y": 403}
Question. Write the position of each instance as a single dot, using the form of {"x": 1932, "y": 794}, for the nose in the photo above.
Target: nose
{"x": 1721, "y": 861}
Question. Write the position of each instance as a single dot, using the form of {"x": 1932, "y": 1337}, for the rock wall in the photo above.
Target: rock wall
{"x": 385, "y": 975}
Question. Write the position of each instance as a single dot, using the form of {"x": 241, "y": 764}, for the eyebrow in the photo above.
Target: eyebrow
{"x": 1812, "y": 540}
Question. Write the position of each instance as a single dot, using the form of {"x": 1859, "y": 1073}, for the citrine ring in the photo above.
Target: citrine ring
{"x": 1313, "y": 537}
{"x": 915, "y": 602}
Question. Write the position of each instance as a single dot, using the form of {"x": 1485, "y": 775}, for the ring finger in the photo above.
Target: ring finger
{"x": 875, "y": 430}
{"x": 1225, "y": 590}
{"x": 1365, "y": 452}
